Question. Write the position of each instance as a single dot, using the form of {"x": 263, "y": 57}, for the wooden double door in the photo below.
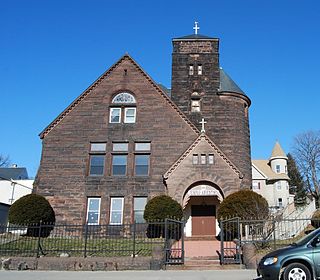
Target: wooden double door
{"x": 203, "y": 219}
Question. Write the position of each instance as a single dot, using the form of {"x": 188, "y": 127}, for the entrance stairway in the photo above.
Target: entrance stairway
{"x": 201, "y": 254}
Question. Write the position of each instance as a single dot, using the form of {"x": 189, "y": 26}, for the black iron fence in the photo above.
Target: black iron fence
{"x": 82, "y": 240}
{"x": 266, "y": 235}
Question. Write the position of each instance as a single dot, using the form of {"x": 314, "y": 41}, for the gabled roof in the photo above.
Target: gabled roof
{"x": 277, "y": 152}
{"x": 13, "y": 173}
{"x": 263, "y": 166}
{"x": 202, "y": 136}
{"x": 87, "y": 92}
{"x": 195, "y": 37}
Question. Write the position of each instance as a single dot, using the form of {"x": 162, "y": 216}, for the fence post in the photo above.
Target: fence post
{"x": 221, "y": 242}
{"x": 182, "y": 240}
{"x": 39, "y": 240}
{"x": 134, "y": 240}
{"x": 166, "y": 247}
{"x": 274, "y": 232}
{"x": 85, "y": 240}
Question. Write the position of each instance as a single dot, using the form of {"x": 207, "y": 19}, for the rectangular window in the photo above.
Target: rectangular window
{"x": 211, "y": 159}
{"x": 140, "y": 147}
{"x": 199, "y": 69}
{"x": 203, "y": 159}
{"x": 130, "y": 115}
{"x": 278, "y": 185}
{"x": 280, "y": 202}
{"x": 115, "y": 115}
{"x": 195, "y": 105}
{"x": 116, "y": 211}
{"x": 278, "y": 168}
{"x": 195, "y": 159}
{"x": 119, "y": 165}
{"x": 96, "y": 165}
{"x": 93, "y": 210}
{"x": 98, "y": 147}
{"x": 256, "y": 185}
{"x": 139, "y": 203}
{"x": 142, "y": 165}
{"x": 190, "y": 70}
{"x": 120, "y": 147}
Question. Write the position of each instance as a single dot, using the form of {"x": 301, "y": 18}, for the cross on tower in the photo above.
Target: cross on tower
{"x": 196, "y": 28}
{"x": 203, "y": 122}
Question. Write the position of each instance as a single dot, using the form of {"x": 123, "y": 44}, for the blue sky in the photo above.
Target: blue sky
{"x": 53, "y": 50}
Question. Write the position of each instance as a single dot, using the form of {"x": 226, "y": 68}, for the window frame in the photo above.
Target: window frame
{"x": 195, "y": 159}
{"x": 125, "y": 114}
{"x": 200, "y": 70}
{"x": 112, "y": 164}
{"x": 139, "y": 210}
{"x": 135, "y": 164}
{"x": 195, "y": 108}
{"x": 120, "y": 113}
{"x": 211, "y": 156}
{"x": 191, "y": 69}
{"x": 278, "y": 168}
{"x": 203, "y": 159}
{"x": 89, "y": 198}
{"x": 103, "y": 166}
{"x": 111, "y": 210}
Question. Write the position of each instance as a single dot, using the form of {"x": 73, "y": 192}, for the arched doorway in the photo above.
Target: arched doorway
{"x": 200, "y": 203}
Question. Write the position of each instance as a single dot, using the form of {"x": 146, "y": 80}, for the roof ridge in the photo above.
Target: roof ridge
{"x": 177, "y": 163}
{"x": 86, "y": 92}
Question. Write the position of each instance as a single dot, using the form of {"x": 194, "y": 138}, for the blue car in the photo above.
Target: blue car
{"x": 299, "y": 261}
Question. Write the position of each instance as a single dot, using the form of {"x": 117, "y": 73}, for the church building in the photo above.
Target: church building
{"x": 126, "y": 139}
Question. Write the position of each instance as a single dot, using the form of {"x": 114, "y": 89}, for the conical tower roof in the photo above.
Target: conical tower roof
{"x": 277, "y": 152}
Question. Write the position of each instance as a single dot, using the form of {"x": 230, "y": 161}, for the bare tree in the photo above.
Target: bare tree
{"x": 4, "y": 161}
{"x": 307, "y": 156}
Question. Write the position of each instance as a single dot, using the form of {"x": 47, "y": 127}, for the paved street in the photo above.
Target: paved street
{"x": 132, "y": 275}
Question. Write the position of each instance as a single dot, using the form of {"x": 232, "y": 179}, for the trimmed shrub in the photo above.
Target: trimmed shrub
{"x": 30, "y": 210}
{"x": 156, "y": 211}
{"x": 245, "y": 204}
{"x": 315, "y": 220}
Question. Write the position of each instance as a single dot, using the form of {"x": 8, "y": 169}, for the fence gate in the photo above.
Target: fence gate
{"x": 230, "y": 241}
{"x": 174, "y": 241}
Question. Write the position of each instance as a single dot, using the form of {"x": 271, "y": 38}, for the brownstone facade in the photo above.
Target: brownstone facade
{"x": 180, "y": 156}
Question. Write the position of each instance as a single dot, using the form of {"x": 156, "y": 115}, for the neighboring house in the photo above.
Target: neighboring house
{"x": 270, "y": 179}
{"x": 126, "y": 139}
{"x": 14, "y": 183}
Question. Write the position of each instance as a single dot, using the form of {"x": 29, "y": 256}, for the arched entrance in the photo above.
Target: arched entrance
{"x": 200, "y": 203}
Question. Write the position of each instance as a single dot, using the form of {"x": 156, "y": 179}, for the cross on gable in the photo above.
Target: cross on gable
{"x": 203, "y": 122}
{"x": 196, "y": 28}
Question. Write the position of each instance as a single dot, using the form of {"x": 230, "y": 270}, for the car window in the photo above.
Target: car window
{"x": 308, "y": 237}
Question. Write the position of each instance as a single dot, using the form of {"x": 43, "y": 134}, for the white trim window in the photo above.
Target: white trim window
{"x": 278, "y": 168}
{"x": 191, "y": 70}
{"x": 93, "y": 210}
{"x": 199, "y": 70}
{"x": 278, "y": 184}
{"x": 195, "y": 105}
{"x": 129, "y": 115}
{"x": 115, "y": 115}
{"x": 116, "y": 210}
{"x": 139, "y": 204}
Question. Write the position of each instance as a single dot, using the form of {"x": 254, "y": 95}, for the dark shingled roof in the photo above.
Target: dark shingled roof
{"x": 195, "y": 37}
{"x": 14, "y": 173}
{"x": 165, "y": 89}
{"x": 227, "y": 84}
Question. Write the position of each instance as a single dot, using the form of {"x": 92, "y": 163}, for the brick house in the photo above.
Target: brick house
{"x": 126, "y": 139}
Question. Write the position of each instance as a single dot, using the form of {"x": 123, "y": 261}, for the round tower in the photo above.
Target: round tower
{"x": 203, "y": 90}
{"x": 278, "y": 159}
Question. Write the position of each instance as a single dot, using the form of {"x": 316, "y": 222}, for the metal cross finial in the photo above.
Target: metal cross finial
{"x": 203, "y": 122}
{"x": 196, "y": 28}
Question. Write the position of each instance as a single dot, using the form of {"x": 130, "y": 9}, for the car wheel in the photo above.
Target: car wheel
{"x": 296, "y": 271}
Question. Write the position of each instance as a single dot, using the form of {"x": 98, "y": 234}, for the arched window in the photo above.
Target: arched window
{"x": 123, "y": 108}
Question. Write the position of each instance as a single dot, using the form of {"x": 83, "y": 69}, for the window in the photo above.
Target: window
{"x": 203, "y": 159}
{"x": 130, "y": 115}
{"x": 199, "y": 69}
{"x": 256, "y": 185}
{"x": 119, "y": 165}
{"x": 278, "y": 184}
{"x": 286, "y": 169}
{"x": 115, "y": 115}
{"x": 93, "y": 210}
{"x": 116, "y": 210}
{"x": 142, "y": 165}
{"x": 120, "y": 147}
{"x": 139, "y": 203}
{"x": 195, "y": 159}
{"x": 122, "y": 108}
{"x": 98, "y": 147}
{"x": 191, "y": 70}
{"x": 278, "y": 168}
{"x": 280, "y": 202}
{"x": 211, "y": 159}
{"x": 142, "y": 158}
{"x": 195, "y": 105}
{"x": 96, "y": 165}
